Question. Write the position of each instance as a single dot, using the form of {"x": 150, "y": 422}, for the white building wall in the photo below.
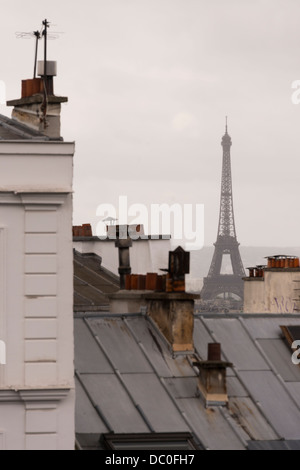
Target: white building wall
{"x": 36, "y": 308}
{"x": 254, "y": 296}
{"x": 281, "y": 293}
{"x": 145, "y": 255}
{"x": 277, "y": 293}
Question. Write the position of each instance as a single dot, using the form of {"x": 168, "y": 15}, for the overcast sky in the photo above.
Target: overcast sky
{"x": 149, "y": 84}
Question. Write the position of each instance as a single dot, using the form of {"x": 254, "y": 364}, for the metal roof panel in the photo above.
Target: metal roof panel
{"x": 120, "y": 345}
{"x": 155, "y": 402}
{"x": 294, "y": 389}
{"x": 268, "y": 327}
{"x": 86, "y": 418}
{"x": 251, "y": 420}
{"x": 201, "y": 338}
{"x": 182, "y": 387}
{"x": 157, "y": 351}
{"x": 212, "y": 429}
{"x": 267, "y": 445}
{"x": 113, "y": 400}
{"x": 153, "y": 346}
{"x": 236, "y": 343}
{"x": 274, "y": 445}
{"x": 180, "y": 366}
{"x": 88, "y": 356}
{"x": 85, "y": 291}
{"x": 235, "y": 387}
{"x": 274, "y": 399}
{"x": 280, "y": 356}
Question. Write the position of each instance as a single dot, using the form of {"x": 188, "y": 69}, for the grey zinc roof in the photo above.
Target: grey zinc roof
{"x": 211, "y": 426}
{"x": 279, "y": 407}
{"x": 115, "y": 403}
{"x": 274, "y": 445}
{"x": 278, "y": 354}
{"x": 10, "y": 129}
{"x": 92, "y": 282}
{"x": 130, "y": 382}
{"x": 236, "y": 343}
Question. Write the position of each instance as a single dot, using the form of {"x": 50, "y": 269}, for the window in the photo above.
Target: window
{"x": 149, "y": 441}
{"x": 291, "y": 333}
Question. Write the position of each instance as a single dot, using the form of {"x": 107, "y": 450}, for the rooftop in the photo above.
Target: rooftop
{"x": 11, "y": 129}
{"x": 92, "y": 283}
{"x": 131, "y": 387}
{"x": 128, "y": 381}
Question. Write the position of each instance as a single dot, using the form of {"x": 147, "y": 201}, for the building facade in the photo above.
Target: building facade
{"x": 274, "y": 288}
{"x": 37, "y": 393}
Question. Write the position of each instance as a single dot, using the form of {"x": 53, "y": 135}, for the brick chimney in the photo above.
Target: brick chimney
{"x": 38, "y": 107}
{"x": 212, "y": 377}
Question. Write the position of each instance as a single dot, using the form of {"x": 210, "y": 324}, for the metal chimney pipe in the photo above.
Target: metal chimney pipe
{"x": 214, "y": 352}
{"x": 123, "y": 243}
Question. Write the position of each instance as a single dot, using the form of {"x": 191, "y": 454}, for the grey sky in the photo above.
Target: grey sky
{"x": 149, "y": 84}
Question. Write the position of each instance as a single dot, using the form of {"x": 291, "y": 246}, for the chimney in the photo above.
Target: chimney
{"x": 123, "y": 243}
{"x": 173, "y": 313}
{"x": 84, "y": 230}
{"x": 173, "y": 310}
{"x": 38, "y": 107}
{"x": 212, "y": 377}
{"x": 162, "y": 296}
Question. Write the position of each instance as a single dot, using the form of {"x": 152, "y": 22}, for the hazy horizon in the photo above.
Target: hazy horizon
{"x": 149, "y": 85}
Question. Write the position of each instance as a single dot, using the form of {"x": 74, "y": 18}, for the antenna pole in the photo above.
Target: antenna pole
{"x": 37, "y": 35}
{"x": 46, "y": 24}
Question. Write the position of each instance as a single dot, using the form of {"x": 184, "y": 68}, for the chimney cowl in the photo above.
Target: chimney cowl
{"x": 51, "y": 66}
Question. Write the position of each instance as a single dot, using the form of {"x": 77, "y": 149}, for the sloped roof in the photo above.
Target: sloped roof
{"x": 92, "y": 282}
{"x": 128, "y": 381}
{"x": 11, "y": 129}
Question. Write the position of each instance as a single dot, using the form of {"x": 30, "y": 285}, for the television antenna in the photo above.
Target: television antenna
{"x": 39, "y": 34}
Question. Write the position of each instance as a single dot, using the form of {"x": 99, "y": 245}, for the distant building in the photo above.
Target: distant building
{"x": 274, "y": 288}
{"x": 146, "y": 255}
{"x": 37, "y": 393}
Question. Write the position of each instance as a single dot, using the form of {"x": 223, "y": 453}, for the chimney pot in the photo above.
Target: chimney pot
{"x": 214, "y": 352}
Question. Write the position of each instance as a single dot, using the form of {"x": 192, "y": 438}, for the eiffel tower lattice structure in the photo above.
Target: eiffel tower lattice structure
{"x": 217, "y": 283}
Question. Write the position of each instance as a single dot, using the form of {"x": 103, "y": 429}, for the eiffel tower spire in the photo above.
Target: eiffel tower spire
{"x": 216, "y": 283}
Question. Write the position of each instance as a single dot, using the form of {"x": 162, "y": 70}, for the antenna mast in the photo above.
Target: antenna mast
{"x": 38, "y": 36}
{"x": 46, "y": 25}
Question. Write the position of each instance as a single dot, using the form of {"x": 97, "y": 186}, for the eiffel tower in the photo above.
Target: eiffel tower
{"x": 216, "y": 283}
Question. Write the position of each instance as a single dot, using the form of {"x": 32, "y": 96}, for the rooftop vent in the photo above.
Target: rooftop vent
{"x": 123, "y": 243}
{"x": 51, "y": 68}
{"x": 212, "y": 377}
